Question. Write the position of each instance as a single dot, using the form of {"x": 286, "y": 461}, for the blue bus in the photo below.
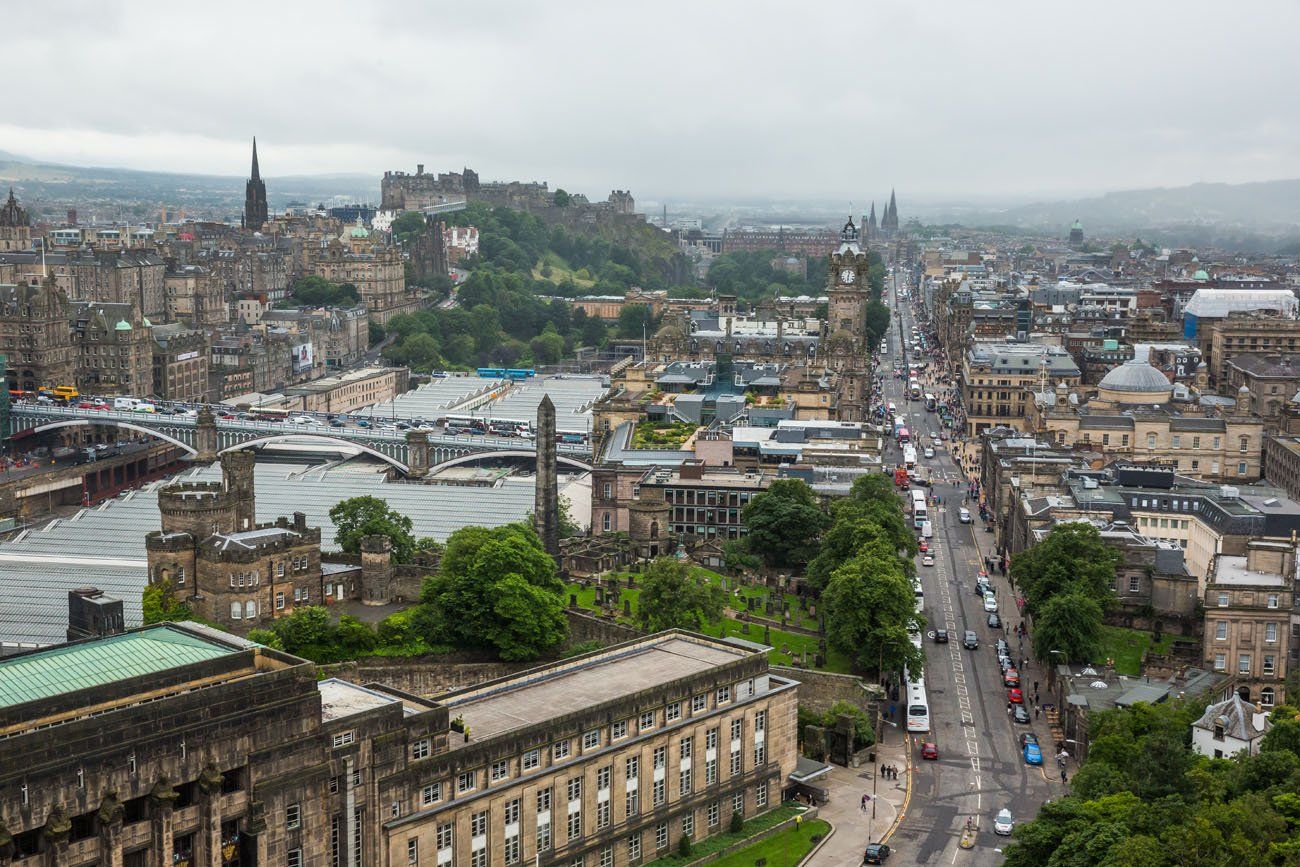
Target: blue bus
{"x": 518, "y": 373}
{"x": 492, "y": 372}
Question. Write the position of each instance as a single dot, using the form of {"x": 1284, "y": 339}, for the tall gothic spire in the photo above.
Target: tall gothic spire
{"x": 255, "y": 211}
{"x": 257, "y": 176}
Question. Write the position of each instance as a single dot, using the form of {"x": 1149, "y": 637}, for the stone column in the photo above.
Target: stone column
{"x": 56, "y": 831}
{"x": 205, "y": 436}
{"x": 417, "y": 454}
{"x": 161, "y": 801}
{"x": 546, "y": 508}
{"x": 207, "y": 840}
{"x": 109, "y": 819}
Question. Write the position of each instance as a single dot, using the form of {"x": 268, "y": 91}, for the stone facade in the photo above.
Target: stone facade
{"x": 15, "y": 226}
{"x": 1248, "y": 618}
{"x": 180, "y": 363}
{"x": 376, "y": 270}
{"x": 114, "y": 349}
{"x": 196, "y": 296}
{"x": 35, "y": 338}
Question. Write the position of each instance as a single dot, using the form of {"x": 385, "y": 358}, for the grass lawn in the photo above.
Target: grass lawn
{"x": 787, "y": 646}
{"x": 718, "y": 842}
{"x": 661, "y": 434}
{"x": 1126, "y": 647}
{"x": 784, "y": 849}
{"x": 560, "y": 272}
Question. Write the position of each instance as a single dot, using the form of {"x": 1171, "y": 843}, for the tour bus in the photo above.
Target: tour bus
{"x": 920, "y": 514}
{"x": 909, "y": 456}
{"x": 914, "y": 390}
{"x": 918, "y": 706}
{"x": 930, "y": 402}
{"x": 899, "y": 424}
{"x": 464, "y": 424}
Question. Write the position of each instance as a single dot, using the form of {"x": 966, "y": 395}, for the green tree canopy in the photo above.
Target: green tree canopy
{"x": 408, "y": 223}
{"x": 785, "y": 523}
{"x": 498, "y": 588}
{"x": 1072, "y": 558}
{"x": 672, "y": 598}
{"x": 357, "y": 517}
{"x": 161, "y": 605}
{"x": 1070, "y": 623}
{"x": 871, "y": 612}
{"x": 314, "y": 291}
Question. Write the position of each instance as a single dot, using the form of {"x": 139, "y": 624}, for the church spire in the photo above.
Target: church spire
{"x": 255, "y": 211}
{"x": 256, "y": 174}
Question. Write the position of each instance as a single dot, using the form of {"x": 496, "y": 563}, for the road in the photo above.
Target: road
{"x": 980, "y": 769}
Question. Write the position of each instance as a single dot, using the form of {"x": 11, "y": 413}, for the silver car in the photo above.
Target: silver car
{"x": 1003, "y": 824}
{"x": 990, "y": 603}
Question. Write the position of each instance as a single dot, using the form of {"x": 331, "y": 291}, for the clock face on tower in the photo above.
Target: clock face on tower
{"x": 847, "y": 275}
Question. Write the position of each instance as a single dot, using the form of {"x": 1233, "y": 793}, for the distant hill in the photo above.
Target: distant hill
{"x": 1267, "y": 206}
{"x": 52, "y": 187}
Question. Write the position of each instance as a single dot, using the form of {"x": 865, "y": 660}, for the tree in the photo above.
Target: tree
{"x": 634, "y": 320}
{"x": 871, "y": 612}
{"x": 1072, "y": 558}
{"x": 1070, "y": 623}
{"x": 562, "y": 199}
{"x": 496, "y": 587}
{"x": 161, "y": 605}
{"x": 672, "y": 598}
{"x": 408, "y": 223}
{"x": 547, "y": 347}
{"x": 785, "y": 523}
{"x": 314, "y": 291}
{"x": 370, "y": 516}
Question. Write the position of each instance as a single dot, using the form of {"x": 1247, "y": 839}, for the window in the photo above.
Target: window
{"x": 688, "y": 824}
{"x": 431, "y": 794}
{"x": 420, "y": 749}
{"x": 1151, "y": 440}
{"x": 735, "y": 761}
{"x": 478, "y": 824}
{"x": 591, "y": 739}
{"x": 737, "y": 727}
{"x": 760, "y": 754}
{"x": 760, "y": 721}
{"x": 1243, "y": 445}
{"x": 512, "y": 849}
{"x": 575, "y": 789}
{"x": 575, "y": 825}
{"x": 293, "y": 858}
{"x": 618, "y": 730}
{"x": 607, "y": 857}
{"x": 466, "y": 782}
{"x": 544, "y": 800}
{"x": 500, "y": 770}
{"x": 674, "y": 712}
{"x": 632, "y": 804}
{"x": 293, "y": 816}
{"x": 684, "y": 782}
{"x": 607, "y": 491}
{"x": 279, "y": 601}
{"x": 1266, "y": 696}
{"x": 710, "y": 771}
{"x": 412, "y": 850}
{"x": 1220, "y": 661}
{"x": 760, "y": 795}
{"x": 1270, "y": 663}
{"x": 532, "y": 759}
{"x": 605, "y": 522}
{"x": 738, "y": 803}
{"x": 511, "y": 812}
{"x": 560, "y": 750}
{"x": 1223, "y": 600}
{"x": 1270, "y": 633}
{"x": 1221, "y": 630}
{"x": 1133, "y": 584}
{"x": 685, "y": 747}
{"x": 1176, "y": 441}
{"x": 713, "y": 813}
{"x": 236, "y": 611}
{"x": 1243, "y": 664}
{"x": 604, "y": 814}
{"x": 1196, "y": 442}
{"x": 647, "y": 720}
{"x": 658, "y": 792}
{"x": 724, "y": 694}
{"x": 543, "y": 820}
{"x": 1272, "y": 600}
{"x": 1241, "y": 468}
{"x": 478, "y": 858}
{"x": 661, "y": 835}
{"x": 634, "y": 847}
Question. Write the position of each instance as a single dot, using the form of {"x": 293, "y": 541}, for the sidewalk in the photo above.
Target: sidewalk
{"x": 854, "y": 827}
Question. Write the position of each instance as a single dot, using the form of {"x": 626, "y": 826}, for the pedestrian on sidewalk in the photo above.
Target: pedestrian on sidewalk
{"x": 1035, "y": 687}
{"x": 1037, "y": 712}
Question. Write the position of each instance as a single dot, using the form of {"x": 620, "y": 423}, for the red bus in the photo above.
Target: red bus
{"x": 904, "y": 436}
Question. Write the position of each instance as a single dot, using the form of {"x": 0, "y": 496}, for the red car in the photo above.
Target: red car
{"x": 923, "y": 546}
{"x": 1010, "y": 678}
{"x": 1014, "y": 696}
{"x": 929, "y": 751}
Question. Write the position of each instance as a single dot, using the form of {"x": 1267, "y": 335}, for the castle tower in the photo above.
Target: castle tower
{"x": 546, "y": 506}
{"x": 237, "y": 483}
{"x": 255, "y": 212}
{"x": 376, "y": 570}
{"x": 15, "y": 227}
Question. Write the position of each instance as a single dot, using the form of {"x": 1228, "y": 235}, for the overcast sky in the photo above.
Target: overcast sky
{"x": 704, "y": 99}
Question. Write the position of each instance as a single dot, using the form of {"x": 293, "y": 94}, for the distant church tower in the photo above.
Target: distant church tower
{"x": 15, "y": 227}
{"x": 1076, "y": 235}
{"x": 871, "y": 228}
{"x": 889, "y": 222}
{"x": 255, "y": 197}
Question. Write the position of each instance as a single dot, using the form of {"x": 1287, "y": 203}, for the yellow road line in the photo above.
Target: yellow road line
{"x": 907, "y": 795}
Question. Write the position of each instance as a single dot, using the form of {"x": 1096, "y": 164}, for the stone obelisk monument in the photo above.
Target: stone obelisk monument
{"x": 546, "y": 508}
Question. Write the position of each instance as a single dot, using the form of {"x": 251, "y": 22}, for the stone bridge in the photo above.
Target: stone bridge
{"x": 414, "y": 453}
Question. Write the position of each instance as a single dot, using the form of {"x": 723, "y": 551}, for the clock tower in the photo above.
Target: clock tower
{"x": 847, "y": 289}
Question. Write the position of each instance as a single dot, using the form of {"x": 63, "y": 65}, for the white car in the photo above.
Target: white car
{"x": 927, "y": 560}
{"x": 963, "y": 515}
{"x": 929, "y": 452}
{"x": 304, "y": 419}
{"x": 990, "y": 603}
{"x": 1003, "y": 824}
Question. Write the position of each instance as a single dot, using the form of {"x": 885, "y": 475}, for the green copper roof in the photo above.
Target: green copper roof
{"x": 70, "y": 667}
{"x": 123, "y": 326}
{"x": 1200, "y": 275}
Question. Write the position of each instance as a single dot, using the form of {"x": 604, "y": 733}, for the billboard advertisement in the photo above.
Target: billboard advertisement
{"x": 302, "y": 357}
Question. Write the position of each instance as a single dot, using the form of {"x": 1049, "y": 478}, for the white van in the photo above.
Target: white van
{"x": 963, "y": 515}
{"x": 927, "y": 530}
{"x": 125, "y": 403}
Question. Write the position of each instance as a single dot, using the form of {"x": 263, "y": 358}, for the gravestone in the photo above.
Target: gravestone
{"x": 627, "y": 607}
{"x": 573, "y": 600}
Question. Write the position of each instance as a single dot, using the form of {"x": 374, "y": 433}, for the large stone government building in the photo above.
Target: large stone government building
{"x": 176, "y": 744}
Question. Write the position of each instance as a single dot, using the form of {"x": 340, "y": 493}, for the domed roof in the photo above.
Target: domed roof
{"x": 1200, "y": 275}
{"x": 147, "y": 323}
{"x": 1135, "y": 376}
{"x": 122, "y": 325}
{"x": 669, "y": 332}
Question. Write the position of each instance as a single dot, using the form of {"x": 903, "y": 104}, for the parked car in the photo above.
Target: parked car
{"x": 990, "y": 603}
{"x": 995, "y": 622}
{"x": 1020, "y": 714}
{"x": 969, "y": 640}
{"x": 1003, "y": 824}
{"x": 929, "y": 751}
{"x": 1010, "y": 678}
{"x": 923, "y": 546}
{"x": 876, "y": 853}
{"x": 941, "y": 636}
{"x": 1015, "y": 696}
{"x": 1002, "y": 648}
{"x": 927, "y": 560}
{"x": 963, "y": 515}
{"x": 1032, "y": 751}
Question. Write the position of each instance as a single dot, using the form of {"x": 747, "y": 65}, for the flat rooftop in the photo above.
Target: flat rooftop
{"x": 497, "y": 709}
{"x": 1232, "y": 570}
{"x": 340, "y": 699}
{"x": 67, "y": 668}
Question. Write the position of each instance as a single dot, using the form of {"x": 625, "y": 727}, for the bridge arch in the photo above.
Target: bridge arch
{"x": 352, "y": 444}
{"x": 508, "y": 453}
{"x": 109, "y": 422}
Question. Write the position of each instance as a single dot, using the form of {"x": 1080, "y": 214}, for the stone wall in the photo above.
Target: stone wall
{"x": 426, "y": 677}
{"x": 819, "y": 690}
{"x": 586, "y": 627}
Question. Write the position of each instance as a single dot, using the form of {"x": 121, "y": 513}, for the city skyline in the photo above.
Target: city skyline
{"x": 1017, "y": 102}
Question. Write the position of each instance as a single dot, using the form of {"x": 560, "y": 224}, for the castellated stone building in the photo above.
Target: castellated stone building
{"x": 176, "y": 744}
{"x": 241, "y": 574}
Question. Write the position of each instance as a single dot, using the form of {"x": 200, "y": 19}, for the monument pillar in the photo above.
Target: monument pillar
{"x": 546, "y": 507}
